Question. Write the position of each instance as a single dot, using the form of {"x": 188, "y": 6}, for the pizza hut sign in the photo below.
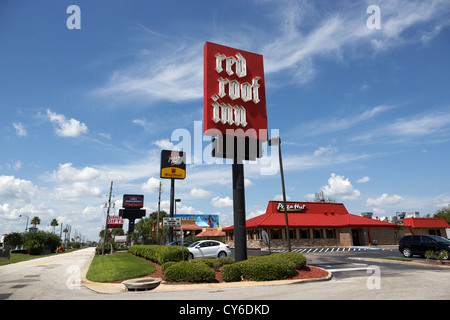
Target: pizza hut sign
{"x": 234, "y": 93}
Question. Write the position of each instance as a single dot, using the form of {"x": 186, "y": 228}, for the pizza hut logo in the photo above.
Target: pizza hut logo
{"x": 175, "y": 159}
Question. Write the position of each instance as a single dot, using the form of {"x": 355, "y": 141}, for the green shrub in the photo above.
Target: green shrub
{"x": 297, "y": 258}
{"x": 189, "y": 272}
{"x": 267, "y": 268}
{"x": 231, "y": 272}
{"x": 226, "y": 260}
{"x": 276, "y": 266}
{"x": 159, "y": 253}
{"x": 213, "y": 263}
{"x": 166, "y": 265}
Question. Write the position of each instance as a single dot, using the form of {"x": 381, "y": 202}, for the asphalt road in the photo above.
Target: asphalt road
{"x": 56, "y": 277}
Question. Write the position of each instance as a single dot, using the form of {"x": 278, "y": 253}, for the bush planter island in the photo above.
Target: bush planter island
{"x": 277, "y": 266}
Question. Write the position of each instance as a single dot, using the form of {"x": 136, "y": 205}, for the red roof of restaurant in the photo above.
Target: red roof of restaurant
{"x": 189, "y": 227}
{"x": 211, "y": 233}
{"x": 310, "y": 215}
{"x": 426, "y": 223}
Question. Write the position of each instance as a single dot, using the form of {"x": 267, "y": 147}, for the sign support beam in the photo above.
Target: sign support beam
{"x": 172, "y": 201}
{"x": 240, "y": 230}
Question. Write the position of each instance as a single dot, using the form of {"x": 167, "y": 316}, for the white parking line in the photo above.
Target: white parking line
{"x": 347, "y": 269}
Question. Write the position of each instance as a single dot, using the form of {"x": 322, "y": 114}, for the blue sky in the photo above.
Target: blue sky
{"x": 363, "y": 114}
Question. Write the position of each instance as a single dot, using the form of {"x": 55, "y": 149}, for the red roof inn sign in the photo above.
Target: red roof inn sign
{"x": 234, "y": 93}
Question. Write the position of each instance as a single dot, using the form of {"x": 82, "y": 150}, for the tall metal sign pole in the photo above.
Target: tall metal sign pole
{"x": 274, "y": 142}
{"x": 173, "y": 166}
{"x": 235, "y": 114}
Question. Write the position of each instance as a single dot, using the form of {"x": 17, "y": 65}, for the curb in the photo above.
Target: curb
{"x": 111, "y": 288}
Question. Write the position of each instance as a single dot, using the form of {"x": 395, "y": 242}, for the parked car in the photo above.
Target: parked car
{"x": 419, "y": 244}
{"x": 208, "y": 249}
{"x": 186, "y": 243}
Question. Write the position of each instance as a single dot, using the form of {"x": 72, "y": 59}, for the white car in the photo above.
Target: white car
{"x": 208, "y": 249}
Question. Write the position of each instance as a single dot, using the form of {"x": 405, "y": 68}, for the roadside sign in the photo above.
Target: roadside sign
{"x": 169, "y": 222}
{"x": 173, "y": 164}
{"x": 134, "y": 201}
{"x": 234, "y": 99}
{"x": 115, "y": 222}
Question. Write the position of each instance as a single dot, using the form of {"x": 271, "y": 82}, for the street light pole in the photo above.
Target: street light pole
{"x": 26, "y": 227}
{"x": 274, "y": 142}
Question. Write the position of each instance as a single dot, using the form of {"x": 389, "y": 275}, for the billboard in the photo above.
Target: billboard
{"x": 202, "y": 220}
{"x": 173, "y": 164}
{"x": 133, "y": 201}
{"x": 234, "y": 99}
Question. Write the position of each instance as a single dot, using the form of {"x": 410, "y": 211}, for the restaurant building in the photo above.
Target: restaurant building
{"x": 315, "y": 224}
{"x": 433, "y": 226}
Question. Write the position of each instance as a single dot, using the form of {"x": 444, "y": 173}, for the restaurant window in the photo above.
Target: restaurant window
{"x": 275, "y": 233}
{"x": 434, "y": 232}
{"x": 317, "y": 233}
{"x": 331, "y": 233}
{"x": 292, "y": 234}
{"x": 304, "y": 234}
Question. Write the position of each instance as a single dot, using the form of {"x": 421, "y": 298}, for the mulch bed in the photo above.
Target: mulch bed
{"x": 307, "y": 272}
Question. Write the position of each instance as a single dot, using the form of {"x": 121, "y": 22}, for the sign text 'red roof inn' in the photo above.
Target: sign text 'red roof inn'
{"x": 234, "y": 93}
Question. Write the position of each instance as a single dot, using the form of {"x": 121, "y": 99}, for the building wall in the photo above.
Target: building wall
{"x": 328, "y": 237}
{"x": 436, "y": 231}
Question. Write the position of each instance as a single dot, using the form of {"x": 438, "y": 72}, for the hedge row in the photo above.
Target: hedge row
{"x": 159, "y": 253}
{"x": 196, "y": 270}
{"x": 277, "y": 266}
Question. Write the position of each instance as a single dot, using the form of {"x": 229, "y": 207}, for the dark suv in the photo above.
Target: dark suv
{"x": 419, "y": 244}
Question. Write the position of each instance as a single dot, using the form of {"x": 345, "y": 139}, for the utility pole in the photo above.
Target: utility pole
{"x": 159, "y": 209}
{"x": 107, "y": 216}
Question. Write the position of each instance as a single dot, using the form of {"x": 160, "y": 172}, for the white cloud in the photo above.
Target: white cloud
{"x": 12, "y": 188}
{"x": 420, "y": 125}
{"x": 279, "y": 197}
{"x": 222, "y": 202}
{"x": 363, "y": 179}
{"x": 151, "y": 186}
{"x": 164, "y": 144}
{"x": 340, "y": 124}
{"x": 67, "y": 173}
{"x": 20, "y": 130}
{"x": 340, "y": 187}
{"x": 75, "y": 191}
{"x": 384, "y": 200}
{"x": 175, "y": 75}
{"x": 66, "y": 128}
{"x": 199, "y": 193}
{"x": 329, "y": 150}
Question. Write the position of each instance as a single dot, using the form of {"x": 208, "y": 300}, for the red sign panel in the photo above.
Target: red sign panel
{"x": 234, "y": 98}
{"x": 115, "y": 222}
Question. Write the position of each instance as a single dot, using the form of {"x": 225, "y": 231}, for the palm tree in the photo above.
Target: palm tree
{"x": 54, "y": 223}
{"x": 35, "y": 221}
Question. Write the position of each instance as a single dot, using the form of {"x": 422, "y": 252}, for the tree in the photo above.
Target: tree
{"x": 54, "y": 223}
{"x": 35, "y": 221}
{"x": 146, "y": 228}
{"x": 14, "y": 239}
{"x": 444, "y": 212}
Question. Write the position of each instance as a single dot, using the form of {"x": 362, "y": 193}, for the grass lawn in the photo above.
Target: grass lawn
{"x": 119, "y": 266}
{"x": 19, "y": 257}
